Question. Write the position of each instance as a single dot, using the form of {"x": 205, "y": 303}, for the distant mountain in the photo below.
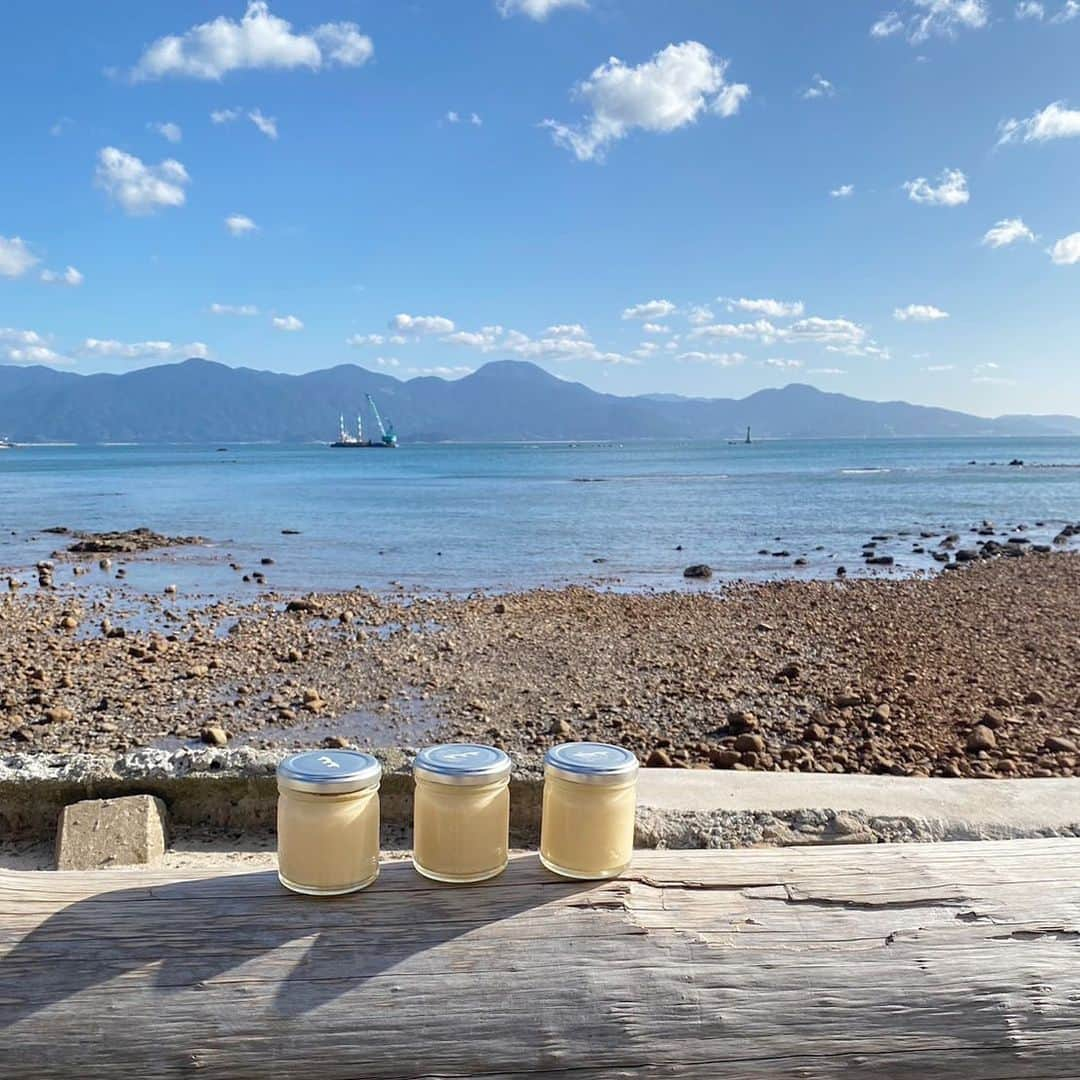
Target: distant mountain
{"x": 199, "y": 401}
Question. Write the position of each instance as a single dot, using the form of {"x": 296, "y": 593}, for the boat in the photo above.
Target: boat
{"x": 6, "y": 443}
{"x": 387, "y": 435}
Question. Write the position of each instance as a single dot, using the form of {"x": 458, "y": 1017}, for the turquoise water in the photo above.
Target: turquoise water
{"x": 463, "y": 517}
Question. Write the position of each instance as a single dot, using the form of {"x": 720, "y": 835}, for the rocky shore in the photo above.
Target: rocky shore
{"x": 973, "y": 673}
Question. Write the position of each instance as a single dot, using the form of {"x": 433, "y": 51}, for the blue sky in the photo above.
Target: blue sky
{"x": 689, "y": 196}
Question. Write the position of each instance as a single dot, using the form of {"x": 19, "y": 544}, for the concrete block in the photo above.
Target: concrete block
{"x": 99, "y": 833}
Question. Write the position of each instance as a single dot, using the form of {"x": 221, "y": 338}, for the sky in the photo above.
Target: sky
{"x": 688, "y": 196}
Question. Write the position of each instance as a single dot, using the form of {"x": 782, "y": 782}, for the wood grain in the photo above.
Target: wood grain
{"x": 908, "y": 961}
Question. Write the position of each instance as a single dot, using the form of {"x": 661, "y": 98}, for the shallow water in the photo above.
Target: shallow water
{"x": 438, "y": 517}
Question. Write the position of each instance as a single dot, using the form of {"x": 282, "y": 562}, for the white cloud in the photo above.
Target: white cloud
{"x": 1030, "y": 9}
{"x": 453, "y": 117}
{"x": 951, "y": 190}
{"x": 536, "y": 9}
{"x": 919, "y": 313}
{"x": 61, "y": 126}
{"x": 423, "y": 324}
{"x": 27, "y": 347}
{"x": 140, "y": 188}
{"x": 224, "y": 116}
{"x": 289, "y": 323}
{"x": 758, "y": 330}
{"x": 725, "y": 359}
{"x": 1066, "y": 252}
{"x": 387, "y": 361}
{"x": 233, "y": 309}
{"x": 240, "y": 224}
{"x": 1033, "y": 9}
{"x": 827, "y": 331}
{"x": 440, "y": 372}
{"x": 924, "y": 19}
{"x": 826, "y": 371}
{"x": 260, "y": 40}
{"x": 699, "y": 316}
{"x": 359, "y": 340}
{"x": 167, "y": 130}
{"x": 485, "y": 339}
{"x": 143, "y": 350}
{"x": 15, "y": 257}
{"x": 774, "y": 309}
{"x": 656, "y": 328}
{"x": 1007, "y": 231}
{"x": 819, "y": 87}
{"x": 1056, "y": 121}
{"x": 844, "y": 191}
{"x": 937, "y": 369}
{"x": 651, "y": 309}
{"x": 1069, "y": 11}
{"x": 566, "y": 330}
{"x": 68, "y": 276}
{"x": 779, "y": 362}
{"x": 670, "y": 91}
{"x": 266, "y": 124}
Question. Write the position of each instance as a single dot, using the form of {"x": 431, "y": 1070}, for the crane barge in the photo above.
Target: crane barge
{"x": 387, "y": 435}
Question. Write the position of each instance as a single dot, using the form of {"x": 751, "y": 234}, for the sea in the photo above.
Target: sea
{"x": 458, "y": 518}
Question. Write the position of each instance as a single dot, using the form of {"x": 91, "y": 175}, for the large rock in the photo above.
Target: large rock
{"x": 100, "y": 833}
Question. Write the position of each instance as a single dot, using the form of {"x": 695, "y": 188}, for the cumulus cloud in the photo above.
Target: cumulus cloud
{"x": 1007, "y": 231}
{"x": 656, "y": 328}
{"x": 919, "y": 313}
{"x": 167, "y": 130}
{"x": 1033, "y": 9}
{"x": 143, "y": 350}
{"x": 15, "y": 257}
{"x": 1066, "y": 252}
{"x": 844, "y": 191}
{"x": 773, "y": 309}
{"x": 566, "y": 330}
{"x": 651, "y": 309}
{"x": 422, "y": 324}
{"x": 68, "y": 276}
{"x": 288, "y": 323}
{"x": 716, "y": 359}
{"x": 1030, "y": 9}
{"x": 758, "y": 330}
{"x": 441, "y": 371}
{"x": 564, "y": 341}
{"x": 779, "y": 362}
{"x": 223, "y": 116}
{"x": 951, "y": 189}
{"x": 1056, "y": 121}
{"x": 673, "y": 89}
{"x": 233, "y": 309}
{"x": 239, "y": 224}
{"x": 828, "y": 331}
{"x": 359, "y": 340}
{"x": 536, "y": 9}
{"x": 699, "y": 316}
{"x": 920, "y": 20}
{"x": 453, "y": 117}
{"x": 140, "y": 188}
{"x": 27, "y": 347}
{"x": 826, "y": 371}
{"x": 819, "y": 87}
{"x": 266, "y": 124}
{"x": 260, "y": 40}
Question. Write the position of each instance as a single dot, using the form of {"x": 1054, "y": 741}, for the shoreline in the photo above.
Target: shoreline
{"x": 965, "y": 674}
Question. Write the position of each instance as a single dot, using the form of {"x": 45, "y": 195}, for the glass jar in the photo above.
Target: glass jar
{"x": 461, "y": 812}
{"x": 328, "y": 821}
{"x": 590, "y": 795}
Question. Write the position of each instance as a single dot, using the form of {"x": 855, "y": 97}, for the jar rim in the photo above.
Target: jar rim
{"x": 329, "y": 772}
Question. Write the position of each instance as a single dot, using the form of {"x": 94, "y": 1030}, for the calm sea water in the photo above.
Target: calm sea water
{"x": 463, "y": 517}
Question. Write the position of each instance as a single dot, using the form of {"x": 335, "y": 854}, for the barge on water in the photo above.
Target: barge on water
{"x": 387, "y": 435}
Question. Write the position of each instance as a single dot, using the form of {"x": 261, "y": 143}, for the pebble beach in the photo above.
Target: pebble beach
{"x": 963, "y": 674}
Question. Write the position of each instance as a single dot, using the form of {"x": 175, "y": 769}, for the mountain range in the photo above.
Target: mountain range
{"x": 200, "y": 401}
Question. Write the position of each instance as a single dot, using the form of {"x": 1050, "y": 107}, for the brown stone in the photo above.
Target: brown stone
{"x": 214, "y": 736}
{"x": 750, "y": 743}
{"x": 981, "y": 738}
{"x": 98, "y": 833}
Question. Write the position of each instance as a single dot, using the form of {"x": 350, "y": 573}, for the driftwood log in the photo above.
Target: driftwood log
{"x": 920, "y": 961}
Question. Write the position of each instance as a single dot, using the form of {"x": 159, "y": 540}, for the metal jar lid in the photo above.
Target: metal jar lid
{"x": 329, "y": 772}
{"x": 591, "y": 763}
{"x": 461, "y": 763}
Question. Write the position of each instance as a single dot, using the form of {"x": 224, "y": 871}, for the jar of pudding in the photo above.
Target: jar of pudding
{"x": 461, "y": 812}
{"x": 328, "y": 821}
{"x": 590, "y": 795}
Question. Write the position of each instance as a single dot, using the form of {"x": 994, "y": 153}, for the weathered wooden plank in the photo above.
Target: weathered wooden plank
{"x": 933, "y": 961}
